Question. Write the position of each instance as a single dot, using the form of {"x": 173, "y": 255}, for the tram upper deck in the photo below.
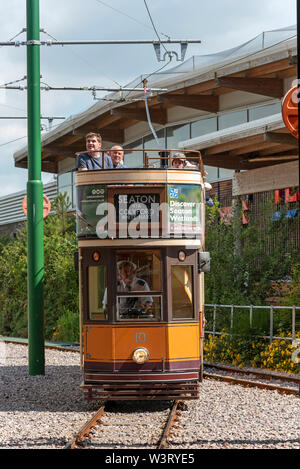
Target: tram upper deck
{"x": 155, "y": 201}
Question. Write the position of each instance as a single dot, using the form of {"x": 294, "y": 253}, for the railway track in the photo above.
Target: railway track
{"x": 85, "y": 432}
{"x": 284, "y": 384}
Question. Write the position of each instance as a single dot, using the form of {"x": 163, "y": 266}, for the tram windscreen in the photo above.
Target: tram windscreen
{"x": 139, "y": 307}
{"x": 139, "y": 284}
{"x": 97, "y": 292}
{"x": 182, "y": 291}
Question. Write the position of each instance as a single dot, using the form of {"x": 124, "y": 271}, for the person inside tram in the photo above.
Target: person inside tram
{"x": 117, "y": 156}
{"x": 128, "y": 282}
{"x": 208, "y": 187}
{"x": 92, "y": 159}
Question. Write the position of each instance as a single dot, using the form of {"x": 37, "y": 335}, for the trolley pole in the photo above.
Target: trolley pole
{"x": 35, "y": 252}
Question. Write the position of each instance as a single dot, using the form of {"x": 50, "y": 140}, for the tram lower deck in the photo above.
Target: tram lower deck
{"x": 141, "y": 296}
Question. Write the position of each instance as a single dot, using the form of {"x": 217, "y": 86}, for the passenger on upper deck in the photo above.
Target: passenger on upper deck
{"x": 180, "y": 162}
{"x": 92, "y": 160}
{"x": 117, "y": 154}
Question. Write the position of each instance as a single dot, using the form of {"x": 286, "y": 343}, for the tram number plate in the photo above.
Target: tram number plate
{"x": 144, "y": 207}
{"x": 140, "y": 337}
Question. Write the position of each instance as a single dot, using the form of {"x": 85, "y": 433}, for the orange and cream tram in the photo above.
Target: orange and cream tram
{"x": 141, "y": 277}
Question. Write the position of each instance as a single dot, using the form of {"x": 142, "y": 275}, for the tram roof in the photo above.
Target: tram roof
{"x": 259, "y": 143}
{"x": 261, "y": 69}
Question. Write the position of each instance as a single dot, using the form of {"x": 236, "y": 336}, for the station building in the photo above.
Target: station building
{"x": 227, "y": 105}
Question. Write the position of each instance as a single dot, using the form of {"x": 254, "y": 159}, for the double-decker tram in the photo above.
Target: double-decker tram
{"x": 141, "y": 278}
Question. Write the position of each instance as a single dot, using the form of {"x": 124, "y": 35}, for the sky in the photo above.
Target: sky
{"x": 219, "y": 24}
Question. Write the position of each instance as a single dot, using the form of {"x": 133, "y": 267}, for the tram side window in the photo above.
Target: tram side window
{"x": 97, "y": 290}
{"x": 182, "y": 291}
{"x": 139, "y": 284}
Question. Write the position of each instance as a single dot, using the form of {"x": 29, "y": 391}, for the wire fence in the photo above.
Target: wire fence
{"x": 263, "y": 321}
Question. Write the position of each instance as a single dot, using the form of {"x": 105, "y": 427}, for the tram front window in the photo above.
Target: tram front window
{"x": 139, "y": 307}
{"x": 97, "y": 288}
{"x": 182, "y": 291}
{"x": 138, "y": 284}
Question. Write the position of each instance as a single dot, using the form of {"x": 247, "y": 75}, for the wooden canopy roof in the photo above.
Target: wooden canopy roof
{"x": 263, "y": 73}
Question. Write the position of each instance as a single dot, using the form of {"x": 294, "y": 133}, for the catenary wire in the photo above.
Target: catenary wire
{"x": 130, "y": 17}
{"x": 155, "y": 30}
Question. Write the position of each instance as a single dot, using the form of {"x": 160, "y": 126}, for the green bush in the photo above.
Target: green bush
{"x": 60, "y": 290}
{"x": 67, "y": 328}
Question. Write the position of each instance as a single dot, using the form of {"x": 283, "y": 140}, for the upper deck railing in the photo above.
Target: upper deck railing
{"x": 162, "y": 158}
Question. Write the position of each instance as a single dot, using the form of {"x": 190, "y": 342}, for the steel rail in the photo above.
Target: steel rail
{"x": 265, "y": 374}
{"x": 163, "y": 441}
{"x": 252, "y": 384}
{"x": 85, "y": 429}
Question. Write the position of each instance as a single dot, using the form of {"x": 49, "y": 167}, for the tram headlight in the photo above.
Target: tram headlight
{"x": 181, "y": 256}
{"x": 96, "y": 256}
{"x": 140, "y": 355}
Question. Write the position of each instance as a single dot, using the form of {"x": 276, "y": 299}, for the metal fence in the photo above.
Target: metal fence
{"x": 227, "y": 318}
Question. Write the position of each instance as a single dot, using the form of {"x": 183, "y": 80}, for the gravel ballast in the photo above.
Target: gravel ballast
{"x": 44, "y": 412}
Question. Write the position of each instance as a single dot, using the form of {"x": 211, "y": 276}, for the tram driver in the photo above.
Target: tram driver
{"x": 131, "y": 306}
{"x": 129, "y": 282}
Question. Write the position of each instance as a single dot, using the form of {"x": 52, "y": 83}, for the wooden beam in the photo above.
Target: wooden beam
{"x": 244, "y": 149}
{"x": 274, "y": 158}
{"x": 53, "y": 150}
{"x": 276, "y": 148}
{"x": 113, "y": 135}
{"x": 266, "y": 86}
{"x": 231, "y": 145}
{"x": 203, "y": 102}
{"x": 283, "y": 138}
{"x": 159, "y": 116}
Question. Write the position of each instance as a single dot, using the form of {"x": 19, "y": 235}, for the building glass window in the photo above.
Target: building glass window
{"x": 203, "y": 127}
{"x": 74, "y": 196}
{"x": 150, "y": 142}
{"x": 64, "y": 179}
{"x": 97, "y": 292}
{"x": 139, "y": 285}
{"x": 232, "y": 118}
{"x": 212, "y": 173}
{"x": 134, "y": 159}
{"x": 65, "y": 186}
{"x": 176, "y": 134}
{"x": 263, "y": 111}
{"x": 225, "y": 173}
{"x": 182, "y": 291}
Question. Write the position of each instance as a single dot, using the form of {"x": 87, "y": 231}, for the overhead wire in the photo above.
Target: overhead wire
{"x": 153, "y": 25}
{"x": 130, "y": 17}
{"x": 82, "y": 59}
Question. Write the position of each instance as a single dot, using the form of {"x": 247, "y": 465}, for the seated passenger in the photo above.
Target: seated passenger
{"x": 117, "y": 154}
{"x": 180, "y": 162}
{"x": 208, "y": 187}
{"x": 92, "y": 159}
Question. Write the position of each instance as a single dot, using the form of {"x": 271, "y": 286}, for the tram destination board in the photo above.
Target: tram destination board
{"x": 141, "y": 206}
{"x": 172, "y": 210}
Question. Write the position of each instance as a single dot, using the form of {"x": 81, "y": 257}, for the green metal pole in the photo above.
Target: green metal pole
{"x": 35, "y": 254}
